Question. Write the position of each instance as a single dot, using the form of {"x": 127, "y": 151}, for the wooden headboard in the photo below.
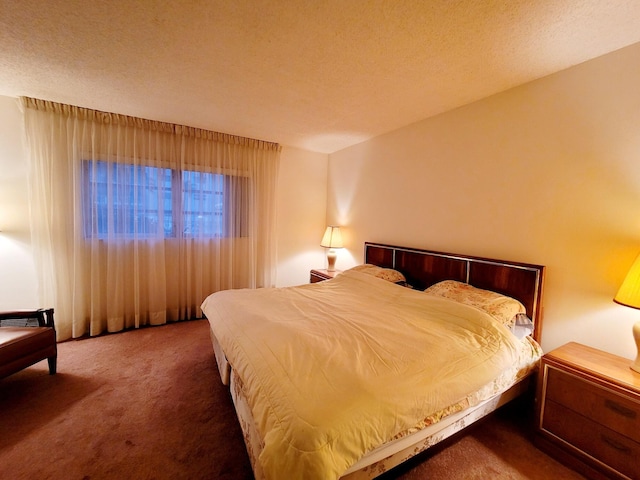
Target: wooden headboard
{"x": 423, "y": 268}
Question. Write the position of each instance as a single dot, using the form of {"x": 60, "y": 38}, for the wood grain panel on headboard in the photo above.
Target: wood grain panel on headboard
{"x": 423, "y": 268}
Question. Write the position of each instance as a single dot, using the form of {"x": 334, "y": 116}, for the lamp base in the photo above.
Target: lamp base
{"x": 635, "y": 366}
{"x": 331, "y": 260}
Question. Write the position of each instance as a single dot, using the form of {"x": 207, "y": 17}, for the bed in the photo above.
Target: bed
{"x": 352, "y": 376}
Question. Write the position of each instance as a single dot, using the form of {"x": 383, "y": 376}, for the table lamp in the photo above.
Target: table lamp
{"x": 629, "y": 295}
{"x": 332, "y": 239}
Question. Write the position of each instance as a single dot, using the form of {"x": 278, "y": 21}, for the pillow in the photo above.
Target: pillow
{"x": 502, "y": 308}
{"x": 388, "y": 274}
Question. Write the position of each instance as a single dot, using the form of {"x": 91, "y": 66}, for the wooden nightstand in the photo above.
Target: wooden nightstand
{"x": 588, "y": 411}
{"x": 318, "y": 275}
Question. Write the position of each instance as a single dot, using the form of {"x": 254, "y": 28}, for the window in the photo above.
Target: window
{"x": 126, "y": 201}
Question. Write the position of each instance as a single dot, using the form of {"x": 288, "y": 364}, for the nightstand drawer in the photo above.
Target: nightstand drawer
{"x": 617, "y": 451}
{"x": 588, "y": 404}
{"x": 594, "y": 402}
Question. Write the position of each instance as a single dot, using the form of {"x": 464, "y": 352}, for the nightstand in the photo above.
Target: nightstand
{"x": 318, "y": 275}
{"x": 588, "y": 411}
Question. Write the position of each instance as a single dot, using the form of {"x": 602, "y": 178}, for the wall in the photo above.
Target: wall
{"x": 302, "y": 209}
{"x": 301, "y": 214}
{"x": 17, "y": 271}
{"x": 546, "y": 173}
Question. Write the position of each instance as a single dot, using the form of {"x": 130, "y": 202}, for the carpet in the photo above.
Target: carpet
{"x": 149, "y": 404}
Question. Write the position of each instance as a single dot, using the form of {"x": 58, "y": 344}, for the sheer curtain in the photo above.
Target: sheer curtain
{"x": 135, "y": 222}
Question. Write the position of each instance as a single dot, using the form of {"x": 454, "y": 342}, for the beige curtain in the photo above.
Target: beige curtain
{"x": 135, "y": 222}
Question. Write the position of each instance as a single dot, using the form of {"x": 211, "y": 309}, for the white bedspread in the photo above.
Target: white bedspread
{"x": 336, "y": 368}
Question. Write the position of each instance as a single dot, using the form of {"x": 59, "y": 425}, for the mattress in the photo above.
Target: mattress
{"x": 331, "y": 371}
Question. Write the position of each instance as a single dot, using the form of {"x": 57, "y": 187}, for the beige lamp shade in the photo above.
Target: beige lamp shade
{"x": 629, "y": 295}
{"x": 331, "y": 239}
{"x": 629, "y": 292}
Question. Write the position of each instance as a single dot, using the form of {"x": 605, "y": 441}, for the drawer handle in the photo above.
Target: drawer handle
{"x": 616, "y": 407}
{"x": 615, "y": 444}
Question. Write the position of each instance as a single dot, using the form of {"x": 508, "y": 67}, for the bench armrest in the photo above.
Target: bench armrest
{"x": 44, "y": 317}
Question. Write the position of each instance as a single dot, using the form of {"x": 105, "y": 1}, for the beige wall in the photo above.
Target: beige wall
{"x": 546, "y": 173}
{"x": 302, "y": 209}
{"x": 302, "y": 194}
{"x": 17, "y": 271}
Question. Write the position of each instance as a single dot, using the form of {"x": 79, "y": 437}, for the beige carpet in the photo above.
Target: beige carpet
{"x": 148, "y": 404}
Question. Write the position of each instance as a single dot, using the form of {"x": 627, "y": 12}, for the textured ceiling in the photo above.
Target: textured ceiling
{"x": 319, "y": 75}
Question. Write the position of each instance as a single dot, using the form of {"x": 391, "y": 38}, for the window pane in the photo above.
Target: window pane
{"x": 202, "y": 204}
{"x": 126, "y": 201}
{"x": 123, "y": 200}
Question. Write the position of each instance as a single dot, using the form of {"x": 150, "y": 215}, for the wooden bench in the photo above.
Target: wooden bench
{"x": 27, "y": 337}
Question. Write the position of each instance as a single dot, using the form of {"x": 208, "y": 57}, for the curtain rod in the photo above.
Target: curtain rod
{"x": 108, "y": 118}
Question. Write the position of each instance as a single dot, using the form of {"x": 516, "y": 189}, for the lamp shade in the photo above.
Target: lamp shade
{"x": 629, "y": 292}
{"x": 332, "y": 237}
